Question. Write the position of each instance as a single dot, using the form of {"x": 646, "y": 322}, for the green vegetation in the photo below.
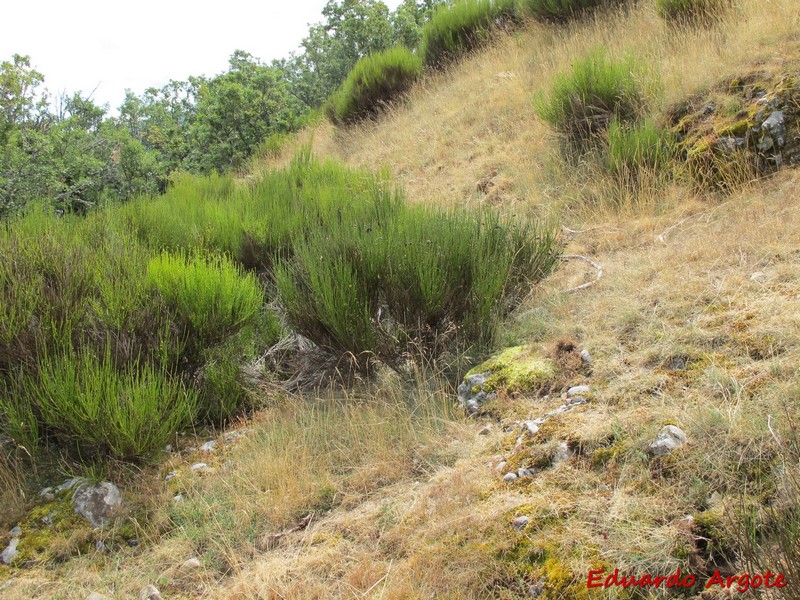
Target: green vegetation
{"x": 582, "y": 102}
{"x": 374, "y": 82}
{"x": 457, "y": 29}
{"x": 639, "y": 147}
{"x": 119, "y": 328}
{"x": 691, "y": 12}
{"x": 561, "y": 10}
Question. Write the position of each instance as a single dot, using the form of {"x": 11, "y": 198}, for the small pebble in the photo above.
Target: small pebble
{"x": 486, "y": 430}
{"x": 532, "y": 426}
{"x": 509, "y": 477}
{"x": 208, "y": 446}
{"x": 501, "y": 465}
{"x": 199, "y": 466}
{"x": 577, "y": 390}
{"x": 178, "y": 498}
{"x": 520, "y": 523}
{"x": 191, "y": 564}
{"x": 15, "y": 532}
{"x": 586, "y": 357}
{"x": 149, "y": 593}
{"x": 171, "y": 475}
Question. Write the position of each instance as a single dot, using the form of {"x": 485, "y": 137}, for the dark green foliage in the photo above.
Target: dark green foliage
{"x": 637, "y": 147}
{"x": 582, "y": 102}
{"x": 456, "y": 29}
{"x": 561, "y": 10}
{"x": 374, "y": 82}
{"x": 681, "y": 13}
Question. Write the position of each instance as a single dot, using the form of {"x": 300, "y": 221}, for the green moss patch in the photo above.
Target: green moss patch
{"x": 517, "y": 369}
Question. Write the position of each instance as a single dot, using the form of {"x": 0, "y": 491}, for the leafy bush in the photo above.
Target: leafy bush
{"x": 582, "y": 102}
{"x": 456, "y": 29}
{"x": 89, "y": 405}
{"x": 637, "y": 147}
{"x": 374, "y": 82}
{"x": 681, "y": 13}
{"x": 561, "y": 10}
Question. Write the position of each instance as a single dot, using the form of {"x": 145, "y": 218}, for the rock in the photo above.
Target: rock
{"x": 208, "y": 446}
{"x": 199, "y": 466}
{"x": 150, "y": 593}
{"x": 100, "y": 546}
{"x": 46, "y": 494}
{"x": 577, "y": 390}
{"x": 520, "y": 523}
{"x": 576, "y": 401}
{"x": 171, "y": 475}
{"x": 532, "y": 427}
{"x": 501, "y": 465}
{"x": 7, "y": 555}
{"x": 758, "y": 277}
{"x": 168, "y": 448}
{"x": 97, "y": 502}
{"x": 523, "y": 472}
{"x": 509, "y": 477}
{"x": 15, "y": 531}
{"x": 775, "y": 127}
{"x": 48, "y": 519}
{"x": 562, "y": 453}
{"x": 604, "y": 488}
{"x": 586, "y": 357}
{"x": 177, "y": 498}
{"x": 96, "y": 596}
{"x": 470, "y": 393}
{"x": 68, "y": 484}
{"x": 669, "y": 439}
{"x": 731, "y": 144}
{"x": 191, "y": 565}
{"x": 485, "y": 430}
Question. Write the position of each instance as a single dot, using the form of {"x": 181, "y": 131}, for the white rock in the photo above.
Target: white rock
{"x": 509, "y": 477}
{"x": 208, "y": 446}
{"x": 532, "y": 427}
{"x": 171, "y": 475}
{"x": 586, "y": 357}
{"x": 191, "y": 564}
{"x": 577, "y": 390}
{"x": 96, "y": 596}
{"x": 150, "y": 593}
{"x": 669, "y": 438}
{"x": 7, "y": 555}
{"x": 199, "y": 466}
{"x": 15, "y": 532}
{"x": 177, "y": 498}
{"x": 501, "y": 465}
{"x": 520, "y": 523}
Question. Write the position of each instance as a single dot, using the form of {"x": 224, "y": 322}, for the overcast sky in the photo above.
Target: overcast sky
{"x": 81, "y": 45}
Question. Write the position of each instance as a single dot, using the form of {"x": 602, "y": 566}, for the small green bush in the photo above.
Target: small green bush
{"x": 211, "y": 295}
{"x": 638, "y": 147}
{"x": 373, "y": 83}
{"x": 87, "y": 404}
{"x": 561, "y": 10}
{"x": 456, "y": 29}
{"x": 582, "y": 102}
{"x": 681, "y": 13}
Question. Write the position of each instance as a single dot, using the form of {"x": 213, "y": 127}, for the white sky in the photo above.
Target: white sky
{"x": 81, "y": 45}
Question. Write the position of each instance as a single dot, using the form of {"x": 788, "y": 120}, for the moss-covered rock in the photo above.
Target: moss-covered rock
{"x": 519, "y": 369}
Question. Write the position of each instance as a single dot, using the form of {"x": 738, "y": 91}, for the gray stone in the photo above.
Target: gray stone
{"x": 96, "y": 596}
{"x": 562, "y": 453}
{"x": 97, "y": 502}
{"x": 170, "y": 476}
{"x": 208, "y": 446}
{"x": 46, "y": 494}
{"x": 586, "y": 357}
{"x": 199, "y": 466}
{"x": 520, "y": 523}
{"x": 69, "y": 484}
{"x": 472, "y": 401}
{"x": 7, "y": 555}
{"x": 576, "y": 401}
{"x": 577, "y": 390}
{"x": 485, "y": 430}
{"x": 177, "y": 498}
{"x": 775, "y": 126}
{"x": 100, "y": 546}
{"x": 168, "y": 448}
{"x": 509, "y": 477}
{"x": 15, "y": 531}
{"x": 669, "y": 439}
{"x": 150, "y": 593}
{"x": 731, "y": 144}
{"x": 523, "y": 472}
{"x": 604, "y": 488}
{"x": 501, "y": 465}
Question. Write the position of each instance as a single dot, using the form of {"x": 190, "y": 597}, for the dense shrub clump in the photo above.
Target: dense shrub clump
{"x": 561, "y": 10}
{"x": 691, "y": 12}
{"x": 582, "y": 102}
{"x": 373, "y": 83}
{"x": 456, "y": 29}
{"x": 637, "y": 147}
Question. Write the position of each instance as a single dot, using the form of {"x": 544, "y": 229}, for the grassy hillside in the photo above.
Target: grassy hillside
{"x": 385, "y": 490}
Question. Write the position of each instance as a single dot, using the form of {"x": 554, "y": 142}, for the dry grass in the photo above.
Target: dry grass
{"x": 695, "y": 323}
